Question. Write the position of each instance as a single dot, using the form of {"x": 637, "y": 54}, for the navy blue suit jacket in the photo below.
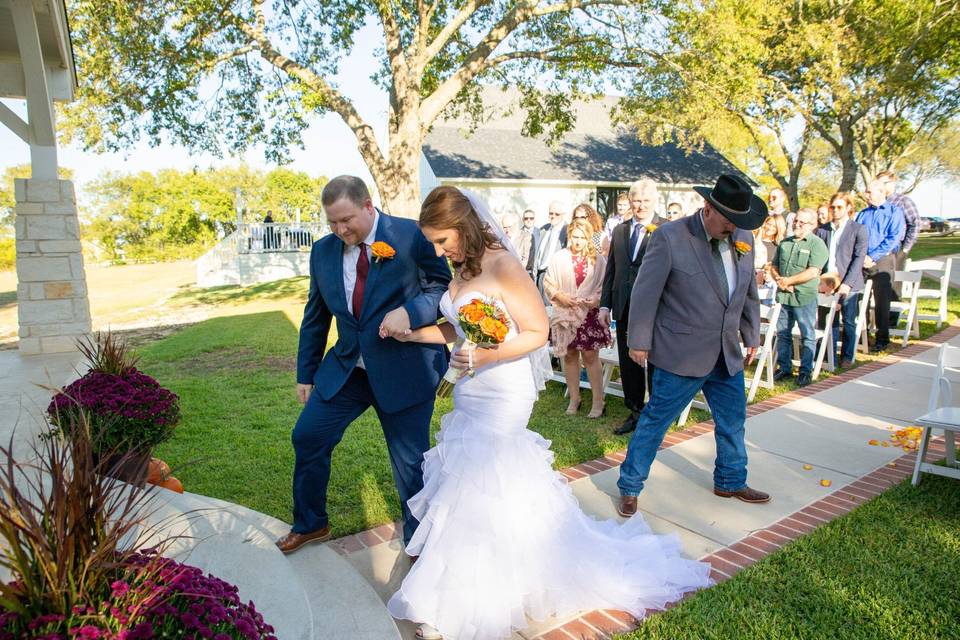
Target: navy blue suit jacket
{"x": 851, "y": 250}
{"x": 401, "y": 374}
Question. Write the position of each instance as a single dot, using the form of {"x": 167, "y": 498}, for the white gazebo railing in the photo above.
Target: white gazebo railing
{"x": 273, "y": 237}
{"x": 260, "y": 253}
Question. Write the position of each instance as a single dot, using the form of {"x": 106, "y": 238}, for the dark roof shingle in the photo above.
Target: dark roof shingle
{"x": 500, "y": 154}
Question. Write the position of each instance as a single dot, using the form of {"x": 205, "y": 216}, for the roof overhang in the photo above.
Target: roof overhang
{"x": 55, "y": 45}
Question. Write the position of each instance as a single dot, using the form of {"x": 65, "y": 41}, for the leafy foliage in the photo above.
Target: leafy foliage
{"x": 872, "y": 80}
{"x": 227, "y": 76}
{"x": 177, "y": 214}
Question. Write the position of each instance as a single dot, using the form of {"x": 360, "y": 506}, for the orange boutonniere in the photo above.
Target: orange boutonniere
{"x": 382, "y": 251}
{"x": 741, "y": 247}
{"x": 651, "y": 228}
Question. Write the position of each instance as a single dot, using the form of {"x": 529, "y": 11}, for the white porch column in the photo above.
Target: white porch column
{"x": 52, "y": 289}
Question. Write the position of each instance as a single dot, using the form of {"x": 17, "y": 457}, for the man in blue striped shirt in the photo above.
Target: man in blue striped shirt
{"x": 911, "y": 216}
{"x": 885, "y": 227}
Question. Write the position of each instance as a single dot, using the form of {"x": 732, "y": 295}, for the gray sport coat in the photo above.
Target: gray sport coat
{"x": 678, "y": 311}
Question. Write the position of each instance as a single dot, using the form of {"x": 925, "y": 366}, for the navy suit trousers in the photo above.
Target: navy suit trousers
{"x": 321, "y": 426}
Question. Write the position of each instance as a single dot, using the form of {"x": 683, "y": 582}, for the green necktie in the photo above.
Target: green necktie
{"x": 718, "y": 267}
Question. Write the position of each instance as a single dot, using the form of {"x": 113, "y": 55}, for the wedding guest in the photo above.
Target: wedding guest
{"x": 823, "y": 215}
{"x": 911, "y": 216}
{"x": 847, "y": 247}
{"x": 796, "y": 268}
{"x": 884, "y": 222}
{"x": 777, "y": 202}
{"x": 694, "y": 302}
{"x": 529, "y": 234}
{"x": 767, "y": 239}
{"x": 772, "y": 233}
{"x": 623, "y": 209}
{"x": 553, "y": 237}
{"x": 572, "y": 284}
{"x": 627, "y": 249}
{"x": 675, "y": 211}
{"x": 510, "y": 223}
{"x": 586, "y": 212}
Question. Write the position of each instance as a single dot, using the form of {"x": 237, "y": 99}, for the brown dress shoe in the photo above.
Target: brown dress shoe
{"x": 293, "y": 541}
{"x": 627, "y": 506}
{"x": 746, "y": 494}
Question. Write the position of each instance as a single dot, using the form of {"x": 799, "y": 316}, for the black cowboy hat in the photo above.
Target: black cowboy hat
{"x": 734, "y": 198}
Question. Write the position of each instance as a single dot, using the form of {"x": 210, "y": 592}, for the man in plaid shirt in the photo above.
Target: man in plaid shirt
{"x": 911, "y": 217}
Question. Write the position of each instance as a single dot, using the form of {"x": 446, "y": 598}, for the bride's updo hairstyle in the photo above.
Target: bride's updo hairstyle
{"x": 447, "y": 208}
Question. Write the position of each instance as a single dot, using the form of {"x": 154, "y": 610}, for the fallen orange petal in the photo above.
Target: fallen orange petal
{"x": 884, "y": 444}
{"x": 825, "y": 483}
{"x": 807, "y": 467}
{"x": 892, "y": 464}
{"x": 873, "y": 443}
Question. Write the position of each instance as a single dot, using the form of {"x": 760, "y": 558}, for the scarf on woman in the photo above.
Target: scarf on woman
{"x": 560, "y": 277}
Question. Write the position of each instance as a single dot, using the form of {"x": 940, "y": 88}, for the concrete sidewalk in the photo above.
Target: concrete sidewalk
{"x": 25, "y": 383}
{"x": 829, "y": 430}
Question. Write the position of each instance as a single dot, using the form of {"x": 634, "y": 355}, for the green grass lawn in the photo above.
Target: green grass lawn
{"x": 929, "y": 246}
{"x": 886, "y": 571}
{"x": 236, "y": 376}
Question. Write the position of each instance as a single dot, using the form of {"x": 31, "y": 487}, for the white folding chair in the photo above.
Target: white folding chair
{"x": 907, "y": 303}
{"x": 610, "y": 358}
{"x": 764, "y": 359}
{"x": 939, "y": 269}
{"x": 822, "y": 336}
{"x": 769, "y": 314}
{"x": 942, "y": 415}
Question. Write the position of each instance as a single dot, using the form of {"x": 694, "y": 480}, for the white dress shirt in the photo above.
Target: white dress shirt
{"x": 834, "y": 241}
{"x": 351, "y": 253}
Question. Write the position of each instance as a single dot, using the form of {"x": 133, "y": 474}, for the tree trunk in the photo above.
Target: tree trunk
{"x": 400, "y": 184}
{"x": 793, "y": 195}
{"x": 848, "y": 159}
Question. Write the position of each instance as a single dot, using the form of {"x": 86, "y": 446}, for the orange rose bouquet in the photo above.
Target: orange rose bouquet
{"x": 485, "y": 325}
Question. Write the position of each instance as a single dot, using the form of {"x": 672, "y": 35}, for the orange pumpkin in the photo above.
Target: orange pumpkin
{"x": 157, "y": 471}
{"x": 172, "y": 484}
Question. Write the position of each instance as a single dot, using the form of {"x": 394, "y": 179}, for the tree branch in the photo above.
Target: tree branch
{"x": 366, "y": 139}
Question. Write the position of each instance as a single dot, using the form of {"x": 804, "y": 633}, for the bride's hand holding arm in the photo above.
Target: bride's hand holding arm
{"x": 443, "y": 333}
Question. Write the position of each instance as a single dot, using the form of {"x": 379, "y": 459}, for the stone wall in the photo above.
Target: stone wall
{"x": 52, "y": 299}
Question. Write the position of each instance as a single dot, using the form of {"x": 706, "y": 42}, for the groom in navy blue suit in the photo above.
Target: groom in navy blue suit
{"x": 379, "y": 277}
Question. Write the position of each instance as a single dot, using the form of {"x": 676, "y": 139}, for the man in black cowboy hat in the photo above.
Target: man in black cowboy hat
{"x": 695, "y": 299}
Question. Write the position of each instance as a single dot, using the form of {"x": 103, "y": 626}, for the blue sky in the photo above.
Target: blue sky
{"x": 330, "y": 148}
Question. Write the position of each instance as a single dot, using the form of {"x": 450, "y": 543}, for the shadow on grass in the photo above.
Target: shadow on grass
{"x": 234, "y": 294}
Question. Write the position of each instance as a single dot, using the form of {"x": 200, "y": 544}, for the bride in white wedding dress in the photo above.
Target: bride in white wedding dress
{"x": 501, "y": 536}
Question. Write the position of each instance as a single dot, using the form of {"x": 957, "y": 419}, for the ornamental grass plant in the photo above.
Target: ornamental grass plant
{"x": 72, "y": 541}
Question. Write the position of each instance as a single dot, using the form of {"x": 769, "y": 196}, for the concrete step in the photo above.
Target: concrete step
{"x": 343, "y": 605}
{"x": 240, "y": 552}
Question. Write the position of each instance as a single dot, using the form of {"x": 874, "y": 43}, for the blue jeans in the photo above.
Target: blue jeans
{"x": 848, "y": 312}
{"x": 806, "y": 318}
{"x": 671, "y": 393}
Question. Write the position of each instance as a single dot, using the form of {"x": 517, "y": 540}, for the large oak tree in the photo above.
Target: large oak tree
{"x": 218, "y": 75}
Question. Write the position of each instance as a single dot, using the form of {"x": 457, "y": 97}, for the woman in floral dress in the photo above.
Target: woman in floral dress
{"x": 572, "y": 284}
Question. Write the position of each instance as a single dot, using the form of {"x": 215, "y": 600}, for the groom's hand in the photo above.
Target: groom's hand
{"x": 395, "y": 324}
{"x": 303, "y": 392}
{"x": 638, "y": 356}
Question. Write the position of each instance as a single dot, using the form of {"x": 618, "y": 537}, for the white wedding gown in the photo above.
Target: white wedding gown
{"x": 501, "y": 536}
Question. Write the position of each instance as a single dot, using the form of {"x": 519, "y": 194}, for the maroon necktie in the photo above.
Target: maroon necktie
{"x": 363, "y": 268}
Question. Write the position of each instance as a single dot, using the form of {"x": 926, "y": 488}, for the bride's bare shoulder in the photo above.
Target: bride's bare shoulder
{"x": 502, "y": 262}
